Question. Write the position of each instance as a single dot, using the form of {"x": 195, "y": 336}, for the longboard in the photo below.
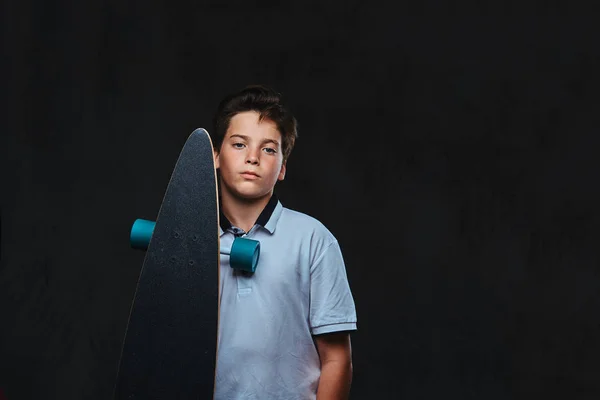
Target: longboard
{"x": 170, "y": 346}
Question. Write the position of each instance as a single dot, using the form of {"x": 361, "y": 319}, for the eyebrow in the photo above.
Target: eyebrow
{"x": 247, "y": 138}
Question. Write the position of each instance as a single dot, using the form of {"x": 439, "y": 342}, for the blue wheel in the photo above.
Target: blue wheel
{"x": 244, "y": 254}
{"x": 141, "y": 232}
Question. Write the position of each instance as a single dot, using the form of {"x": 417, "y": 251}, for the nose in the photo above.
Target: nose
{"x": 252, "y": 157}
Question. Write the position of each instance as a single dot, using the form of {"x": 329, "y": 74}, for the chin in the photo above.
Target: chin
{"x": 250, "y": 194}
{"x": 246, "y": 190}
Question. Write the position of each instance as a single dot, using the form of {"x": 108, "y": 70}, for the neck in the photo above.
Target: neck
{"x": 243, "y": 213}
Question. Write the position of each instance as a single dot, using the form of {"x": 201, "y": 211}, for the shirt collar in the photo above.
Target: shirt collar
{"x": 267, "y": 219}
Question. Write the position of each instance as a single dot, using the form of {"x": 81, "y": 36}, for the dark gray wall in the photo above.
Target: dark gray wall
{"x": 452, "y": 156}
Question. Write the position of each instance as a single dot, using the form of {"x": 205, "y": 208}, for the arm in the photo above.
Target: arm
{"x": 336, "y": 366}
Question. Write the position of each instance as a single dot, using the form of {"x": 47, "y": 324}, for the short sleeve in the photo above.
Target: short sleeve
{"x": 332, "y": 306}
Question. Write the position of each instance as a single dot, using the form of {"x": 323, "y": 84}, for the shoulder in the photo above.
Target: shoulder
{"x": 304, "y": 224}
{"x": 304, "y": 234}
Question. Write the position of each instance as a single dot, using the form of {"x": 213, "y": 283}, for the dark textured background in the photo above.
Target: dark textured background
{"x": 451, "y": 151}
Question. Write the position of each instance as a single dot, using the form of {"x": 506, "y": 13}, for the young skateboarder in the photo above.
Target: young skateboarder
{"x": 284, "y": 330}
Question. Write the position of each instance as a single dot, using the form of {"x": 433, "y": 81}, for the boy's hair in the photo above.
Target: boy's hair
{"x": 267, "y": 103}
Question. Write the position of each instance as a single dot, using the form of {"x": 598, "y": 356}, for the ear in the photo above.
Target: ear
{"x": 216, "y": 158}
{"x": 281, "y": 172}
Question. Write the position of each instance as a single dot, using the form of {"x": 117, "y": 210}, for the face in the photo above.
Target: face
{"x": 250, "y": 161}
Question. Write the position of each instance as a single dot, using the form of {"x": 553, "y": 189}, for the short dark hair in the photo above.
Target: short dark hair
{"x": 267, "y": 103}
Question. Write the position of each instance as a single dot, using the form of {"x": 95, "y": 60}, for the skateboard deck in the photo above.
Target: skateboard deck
{"x": 170, "y": 345}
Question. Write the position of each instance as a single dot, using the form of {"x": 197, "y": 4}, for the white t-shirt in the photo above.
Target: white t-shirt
{"x": 267, "y": 319}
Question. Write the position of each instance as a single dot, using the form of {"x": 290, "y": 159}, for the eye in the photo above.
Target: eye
{"x": 270, "y": 150}
{"x": 238, "y": 145}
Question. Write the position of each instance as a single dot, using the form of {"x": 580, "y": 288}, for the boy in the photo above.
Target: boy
{"x": 283, "y": 330}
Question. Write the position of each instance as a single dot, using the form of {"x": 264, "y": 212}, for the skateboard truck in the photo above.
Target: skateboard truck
{"x": 243, "y": 254}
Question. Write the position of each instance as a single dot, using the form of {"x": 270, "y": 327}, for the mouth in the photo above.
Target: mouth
{"x": 249, "y": 174}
